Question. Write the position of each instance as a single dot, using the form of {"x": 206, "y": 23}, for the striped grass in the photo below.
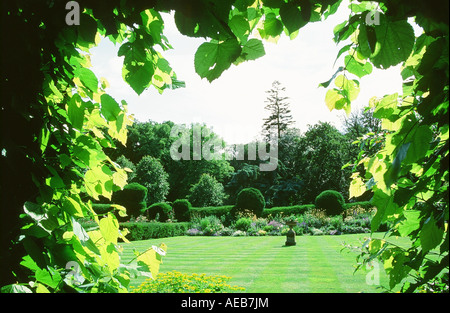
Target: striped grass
{"x": 264, "y": 265}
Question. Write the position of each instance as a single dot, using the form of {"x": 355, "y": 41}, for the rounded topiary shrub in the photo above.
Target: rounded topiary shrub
{"x": 250, "y": 199}
{"x": 181, "y": 210}
{"x": 133, "y": 198}
{"x": 162, "y": 210}
{"x": 331, "y": 201}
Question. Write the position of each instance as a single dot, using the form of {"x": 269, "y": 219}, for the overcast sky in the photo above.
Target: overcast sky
{"x": 234, "y": 104}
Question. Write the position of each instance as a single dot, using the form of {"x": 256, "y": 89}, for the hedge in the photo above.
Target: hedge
{"x": 288, "y": 210}
{"x": 144, "y": 231}
{"x": 163, "y": 209}
{"x": 212, "y": 210}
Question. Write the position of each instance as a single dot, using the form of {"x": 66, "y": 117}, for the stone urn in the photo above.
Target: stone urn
{"x": 290, "y": 236}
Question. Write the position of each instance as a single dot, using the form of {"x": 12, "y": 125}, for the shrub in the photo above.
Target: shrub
{"x": 207, "y": 192}
{"x": 176, "y": 282}
{"x": 144, "y": 231}
{"x": 162, "y": 210}
{"x": 151, "y": 174}
{"x": 331, "y": 201}
{"x": 132, "y": 197}
{"x": 250, "y": 199}
{"x": 210, "y": 225}
{"x": 181, "y": 210}
{"x": 243, "y": 224}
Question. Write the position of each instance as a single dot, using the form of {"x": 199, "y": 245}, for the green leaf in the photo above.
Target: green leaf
{"x": 391, "y": 175}
{"x": 335, "y": 100}
{"x": 357, "y": 187}
{"x": 15, "y": 288}
{"x": 396, "y": 39}
{"x": 350, "y": 87}
{"x": 109, "y": 228}
{"x": 356, "y": 67}
{"x": 384, "y": 202}
{"x": 253, "y": 49}
{"x": 240, "y": 27}
{"x": 327, "y": 83}
{"x": 430, "y": 235}
{"x": 291, "y": 17}
{"x": 44, "y": 276}
{"x": 213, "y": 58}
{"x": 87, "y": 78}
{"x": 272, "y": 26}
{"x": 138, "y": 76}
{"x": 420, "y": 144}
{"x": 75, "y": 111}
{"x": 410, "y": 223}
{"x": 110, "y": 108}
{"x": 72, "y": 207}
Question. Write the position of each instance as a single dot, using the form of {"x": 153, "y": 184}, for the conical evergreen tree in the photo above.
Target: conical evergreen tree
{"x": 280, "y": 115}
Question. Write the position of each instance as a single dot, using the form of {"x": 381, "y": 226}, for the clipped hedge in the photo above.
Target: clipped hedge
{"x": 212, "y": 210}
{"x": 331, "y": 201}
{"x": 132, "y": 197}
{"x": 163, "y": 209}
{"x": 181, "y": 210}
{"x": 144, "y": 231}
{"x": 250, "y": 199}
{"x": 288, "y": 210}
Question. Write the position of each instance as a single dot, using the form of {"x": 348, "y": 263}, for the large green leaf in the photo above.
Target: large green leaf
{"x": 396, "y": 39}
{"x": 213, "y": 58}
{"x": 110, "y": 108}
{"x": 291, "y": 17}
{"x": 430, "y": 235}
{"x": 410, "y": 224}
{"x": 420, "y": 144}
{"x": 138, "y": 76}
{"x": 88, "y": 78}
{"x": 272, "y": 26}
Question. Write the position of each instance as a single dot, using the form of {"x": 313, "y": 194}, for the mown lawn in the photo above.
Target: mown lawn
{"x": 263, "y": 264}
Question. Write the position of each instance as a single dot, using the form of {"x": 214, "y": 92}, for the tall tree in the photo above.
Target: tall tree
{"x": 280, "y": 115}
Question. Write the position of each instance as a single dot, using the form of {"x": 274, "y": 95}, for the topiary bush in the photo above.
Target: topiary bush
{"x": 250, "y": 199}
{"x": 132, "y": 197}
{"x": 331, "y": 201}
{"x": 181, "y": 210}
{"x": 161, "y": 209}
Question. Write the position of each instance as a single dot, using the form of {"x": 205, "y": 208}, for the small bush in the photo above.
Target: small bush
{"x": 250, "y": 199}
{"x": 243, "y": 224}
{"x": 161, "y": 211}
{"x": 331, "y": 201}
{"x": 210, "y": 225}
{"x": 181, "y": 210}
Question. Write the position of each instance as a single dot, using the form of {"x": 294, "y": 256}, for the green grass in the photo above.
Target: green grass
{"x": 262, "y": 264}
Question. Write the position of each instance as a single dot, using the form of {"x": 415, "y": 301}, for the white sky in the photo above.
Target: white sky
{"x": 234, "y": 103}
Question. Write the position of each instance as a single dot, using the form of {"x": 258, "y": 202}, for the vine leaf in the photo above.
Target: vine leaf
{"x": 213, "y": 58}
